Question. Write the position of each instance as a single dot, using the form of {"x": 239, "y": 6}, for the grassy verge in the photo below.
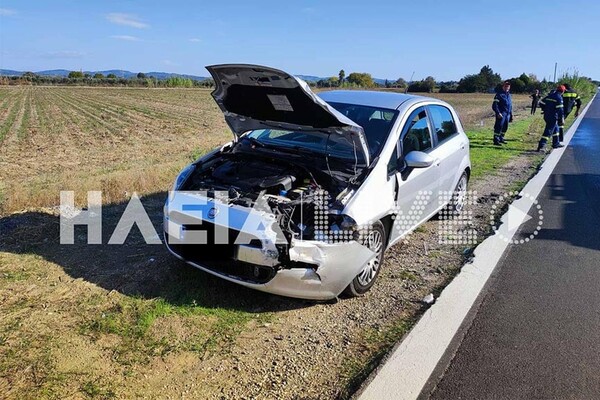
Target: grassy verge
{"x": 133, "y": 319}
{"x": 522, "y": 136}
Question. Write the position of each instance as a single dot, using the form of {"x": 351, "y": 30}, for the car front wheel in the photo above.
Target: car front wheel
{"x": 375, "y": 240}
{"x": 457, "y": 203}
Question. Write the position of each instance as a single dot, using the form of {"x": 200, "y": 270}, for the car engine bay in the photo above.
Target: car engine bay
{"x": 290, "y": 190}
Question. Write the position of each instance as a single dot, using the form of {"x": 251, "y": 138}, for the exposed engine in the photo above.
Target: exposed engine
{"x": 291, "y": 191}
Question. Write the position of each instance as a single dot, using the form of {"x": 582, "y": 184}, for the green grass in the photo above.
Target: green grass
{"x": 377, "y": 343}
{"x": 14, "y": 276}
{"x": 522, "y": 136}
{"x": 407, "y": 275}
{"x": 486, "y": 158}
{"x": 132, "y": 318}
{"x": 94, "y": 390}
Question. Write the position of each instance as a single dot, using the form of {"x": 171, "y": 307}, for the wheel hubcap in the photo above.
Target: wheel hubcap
{"x": 375, "y": 243}
{"x": 460, "y": 194}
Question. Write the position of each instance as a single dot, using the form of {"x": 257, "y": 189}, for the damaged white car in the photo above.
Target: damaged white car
{"x": 313, "y": 188}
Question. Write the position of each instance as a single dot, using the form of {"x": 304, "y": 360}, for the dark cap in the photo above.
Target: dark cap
{"x": 506, "y": 83}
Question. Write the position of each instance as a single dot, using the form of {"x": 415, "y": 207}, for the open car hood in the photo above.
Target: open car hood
{"x": 256, "y": 97}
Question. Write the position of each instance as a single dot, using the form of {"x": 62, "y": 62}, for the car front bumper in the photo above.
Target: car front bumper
{"x": 317, "y": 270}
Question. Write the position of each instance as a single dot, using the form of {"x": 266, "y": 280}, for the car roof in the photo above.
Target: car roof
{"x": 390, "y": 100}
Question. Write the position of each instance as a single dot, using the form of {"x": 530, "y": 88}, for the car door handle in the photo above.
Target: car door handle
{"x": 437, "y": 162}
{"x": 462, "y": 146}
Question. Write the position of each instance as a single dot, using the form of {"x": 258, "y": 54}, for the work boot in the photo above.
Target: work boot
{"x": 541, "y": 146}
{"x": 502, "y": 140}
{"x": 497, "y": 141}
{"x": 558, "y": 146}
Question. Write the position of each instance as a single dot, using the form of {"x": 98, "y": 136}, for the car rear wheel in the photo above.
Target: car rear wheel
{"x": 375, "y": 240}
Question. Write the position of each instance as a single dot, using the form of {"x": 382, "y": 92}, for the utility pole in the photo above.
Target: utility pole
{"x": 408, "y": 84}
{"x": 555, "y": 65}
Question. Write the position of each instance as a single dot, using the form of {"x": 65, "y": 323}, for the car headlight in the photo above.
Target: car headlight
{"x": 342, "y": 222}
{"x": 343, "y": 227}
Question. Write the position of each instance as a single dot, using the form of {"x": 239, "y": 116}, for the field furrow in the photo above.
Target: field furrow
{"x": 23, "y": 125}
{"x": 117, "y": 112}
{"x": 12, "y": 115}
{"x": 85, "y": 118}
{"x": 161, "y": 110}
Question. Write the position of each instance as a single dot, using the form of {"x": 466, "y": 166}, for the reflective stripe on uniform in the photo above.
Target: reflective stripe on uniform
{"x": 495, "y": 100}
{"x": 559, "y": 106}
{"x": 556, "y": 134}
{"x": 570, "y": 94}
{"x": 554, "y": 100}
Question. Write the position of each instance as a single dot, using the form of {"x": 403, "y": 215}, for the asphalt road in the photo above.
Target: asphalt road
{"x": 536, "y": 334}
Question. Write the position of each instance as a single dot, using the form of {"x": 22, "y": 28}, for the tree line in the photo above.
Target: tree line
{"x": 486, "y": 81}
{"x": 78, "y": 78}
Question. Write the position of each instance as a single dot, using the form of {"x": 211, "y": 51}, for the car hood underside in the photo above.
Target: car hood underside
{"x": 256, "y": 97}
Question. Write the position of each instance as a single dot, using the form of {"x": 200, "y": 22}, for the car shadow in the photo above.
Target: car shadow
{"x": 134, "y": 268}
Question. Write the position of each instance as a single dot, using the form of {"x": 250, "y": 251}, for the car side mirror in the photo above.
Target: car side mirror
{"x": 418, "y": 159}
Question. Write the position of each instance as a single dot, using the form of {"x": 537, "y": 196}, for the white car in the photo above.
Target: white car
{"x": 312, "y": 190}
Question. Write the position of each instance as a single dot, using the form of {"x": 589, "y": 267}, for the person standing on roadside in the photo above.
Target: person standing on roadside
{"x": 502, "y": 107}
{"x": 552, "y": 106}
{"x": 535, "y": 98}
{"x": 570, "y": 99}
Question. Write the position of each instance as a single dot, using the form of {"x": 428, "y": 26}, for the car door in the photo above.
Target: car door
{"x": 417, "y": 188}
{"x": 450, "y": 146}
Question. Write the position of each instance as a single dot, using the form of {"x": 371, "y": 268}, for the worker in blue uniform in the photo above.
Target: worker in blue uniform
{"x": 502, "y": 107}
{"x": 553, "y": 108}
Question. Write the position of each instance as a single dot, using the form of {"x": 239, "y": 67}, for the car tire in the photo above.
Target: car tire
{"x": 376, "y": 240}
{"x": 459, "y": 196}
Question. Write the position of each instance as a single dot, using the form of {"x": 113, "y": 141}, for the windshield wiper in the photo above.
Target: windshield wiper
{"x": 255, "y": 141}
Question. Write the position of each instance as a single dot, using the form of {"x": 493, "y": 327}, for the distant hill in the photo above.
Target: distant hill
{"x": 158, "y": 75}
{"x": 10, "y": 72}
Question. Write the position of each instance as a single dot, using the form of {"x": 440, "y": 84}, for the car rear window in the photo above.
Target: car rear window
{"x": 376, "y": 122}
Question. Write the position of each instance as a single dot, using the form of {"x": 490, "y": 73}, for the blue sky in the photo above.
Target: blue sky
{"x": 388, "y": 39}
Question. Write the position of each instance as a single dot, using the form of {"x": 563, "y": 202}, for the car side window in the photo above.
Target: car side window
{"x": 417, "y": 135}
{"x": 443, "y": 122}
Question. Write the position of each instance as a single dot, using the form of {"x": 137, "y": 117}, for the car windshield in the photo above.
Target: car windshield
{"x": 333, "y": 145}
{"x": 376, "y": 122}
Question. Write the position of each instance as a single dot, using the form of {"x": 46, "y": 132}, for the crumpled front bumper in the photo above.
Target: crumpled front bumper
{"x": 319, "y": 270}
{"x": 337, "y": 264}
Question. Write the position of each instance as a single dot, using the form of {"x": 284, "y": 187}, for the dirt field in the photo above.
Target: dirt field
{"x": 131, "y": 321}
{"x": 115, "y": 140}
